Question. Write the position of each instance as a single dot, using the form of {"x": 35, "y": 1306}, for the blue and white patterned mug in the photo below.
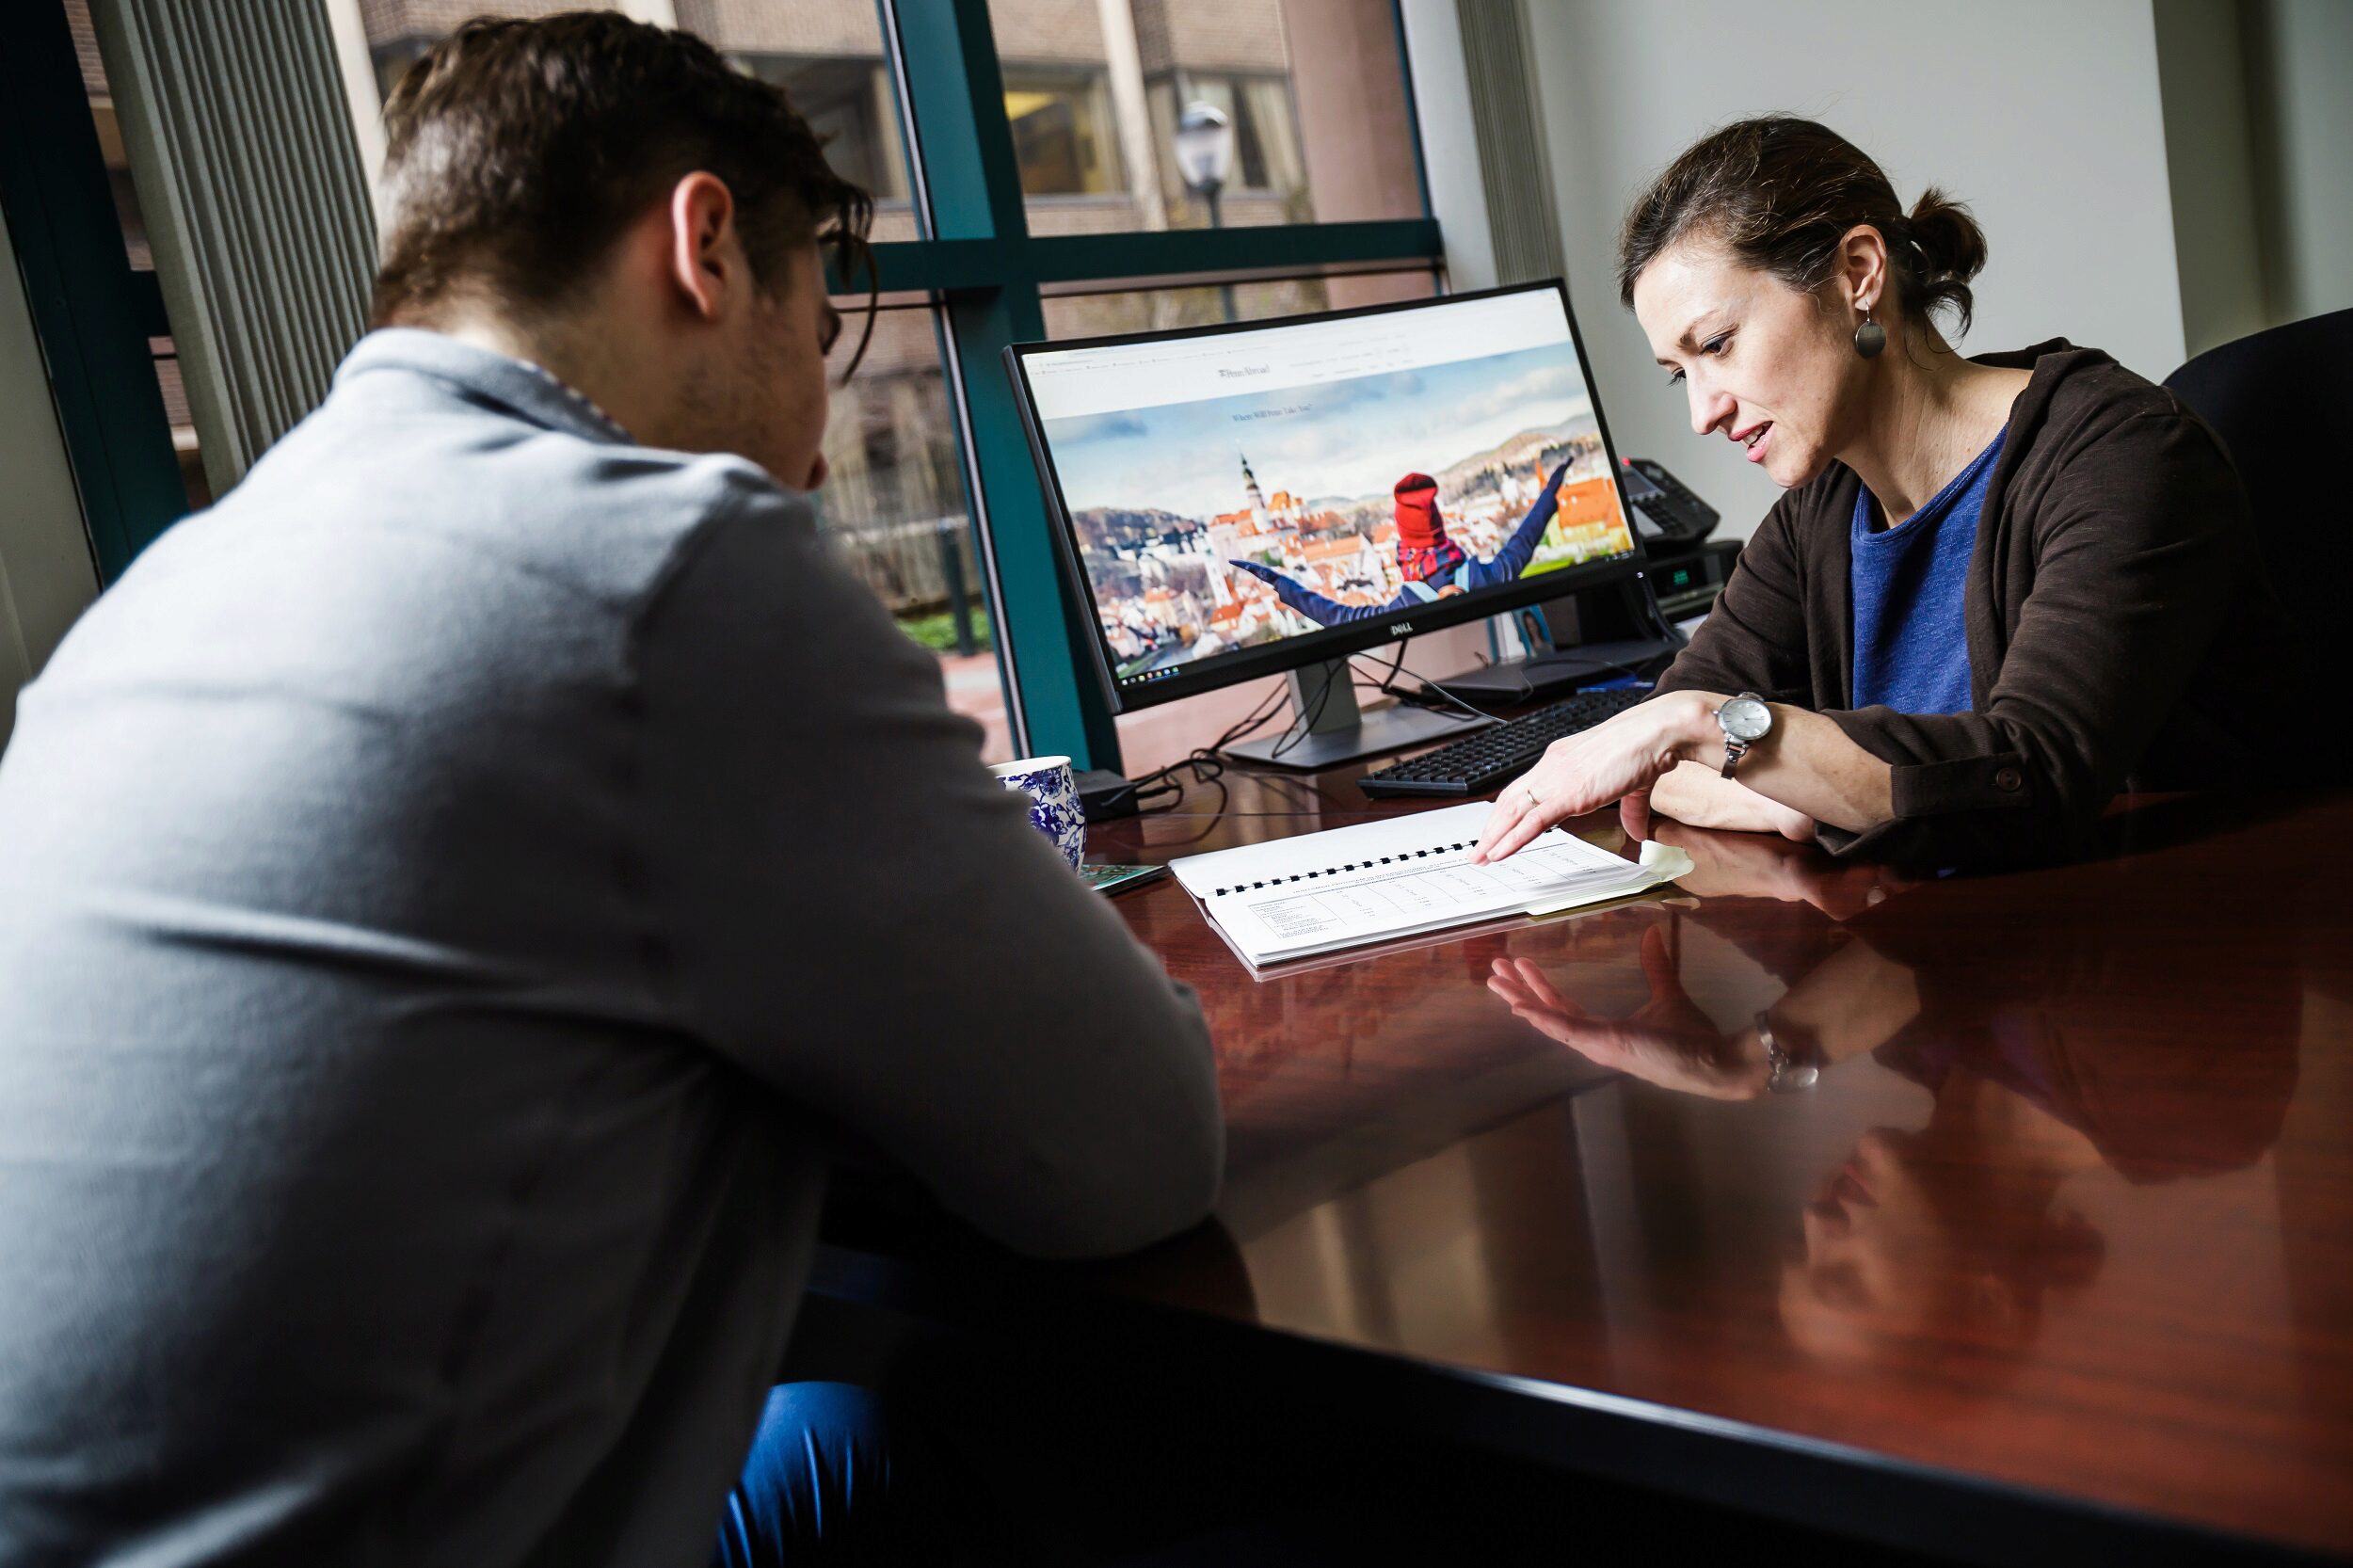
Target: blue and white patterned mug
{"x": 1054, "y": 809}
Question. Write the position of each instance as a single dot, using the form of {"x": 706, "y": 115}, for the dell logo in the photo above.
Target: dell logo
{"x": 1402, "y": 629}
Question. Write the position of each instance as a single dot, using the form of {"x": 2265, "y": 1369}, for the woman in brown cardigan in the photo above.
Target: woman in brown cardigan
{"x": 1998, "y": 588}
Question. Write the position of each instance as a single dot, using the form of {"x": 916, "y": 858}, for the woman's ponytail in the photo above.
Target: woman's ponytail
{"x": 1947, "y": 250}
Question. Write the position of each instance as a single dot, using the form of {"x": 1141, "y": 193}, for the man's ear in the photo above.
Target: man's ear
{"x": 705, "y": 260}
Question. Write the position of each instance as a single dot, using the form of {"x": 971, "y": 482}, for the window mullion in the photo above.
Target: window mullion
{"x": 1171, "y": 253}
{"x": 955, "y": 92}
{"x": 971, "y": 183}
{"x": 92, "y": 311}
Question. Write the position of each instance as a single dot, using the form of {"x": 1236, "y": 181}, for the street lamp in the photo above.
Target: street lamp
{"x": 1205, "y": 156}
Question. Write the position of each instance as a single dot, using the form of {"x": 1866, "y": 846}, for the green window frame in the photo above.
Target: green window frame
{"x": 92, "y": 311}
{"x": 987, "y": 276}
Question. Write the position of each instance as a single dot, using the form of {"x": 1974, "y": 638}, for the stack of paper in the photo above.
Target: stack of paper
{"x": 1381, "y": 880}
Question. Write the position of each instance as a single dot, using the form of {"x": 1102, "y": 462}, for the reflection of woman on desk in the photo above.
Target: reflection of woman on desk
{"x": 1932, "y": 982}
{"x": 1953, "y": 1232}
{"x": 2046, "y": 1048}
{"x": 1433, "y": 565}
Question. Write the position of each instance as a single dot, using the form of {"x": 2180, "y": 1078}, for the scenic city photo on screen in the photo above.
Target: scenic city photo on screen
{"x": 1230, "y": 491}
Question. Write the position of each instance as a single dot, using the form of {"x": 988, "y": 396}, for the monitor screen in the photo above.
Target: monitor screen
{"x": 1244, "y": 500}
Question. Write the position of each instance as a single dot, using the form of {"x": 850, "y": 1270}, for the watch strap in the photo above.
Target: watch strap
{"x": 1735, "y": 749}
{"x": 1785, "y": 1074}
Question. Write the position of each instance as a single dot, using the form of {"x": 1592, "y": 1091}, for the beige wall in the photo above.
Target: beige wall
{"x": 2299, "y": 57}
{"x": 46, "y": 575}
{"x": 2201, "y": 71}
{"x": 2258, "y": 122}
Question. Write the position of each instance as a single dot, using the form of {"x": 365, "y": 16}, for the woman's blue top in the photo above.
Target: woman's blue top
{"x": 1910, "y": 646}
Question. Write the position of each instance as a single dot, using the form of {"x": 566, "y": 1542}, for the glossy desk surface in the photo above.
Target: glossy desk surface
{"x": 2070, "y": 1208}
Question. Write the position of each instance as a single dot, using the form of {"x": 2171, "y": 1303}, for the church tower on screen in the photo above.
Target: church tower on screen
{"x": 1250, "y": 488}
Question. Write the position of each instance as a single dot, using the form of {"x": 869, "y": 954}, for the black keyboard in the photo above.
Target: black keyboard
{"x": 1477, "y": 764}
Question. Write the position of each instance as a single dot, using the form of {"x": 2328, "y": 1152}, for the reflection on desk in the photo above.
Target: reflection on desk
{"x": 2049, "y": 1060}
{"x": 2069, "y": 1211}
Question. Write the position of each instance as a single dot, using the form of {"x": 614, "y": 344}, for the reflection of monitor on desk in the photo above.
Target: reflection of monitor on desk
{"x": 1244, "y": 500}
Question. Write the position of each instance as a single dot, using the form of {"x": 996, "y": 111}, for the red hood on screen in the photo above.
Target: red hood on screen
{"x": 1423, "y": 549}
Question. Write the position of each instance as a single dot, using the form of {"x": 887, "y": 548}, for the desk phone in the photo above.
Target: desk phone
{"x": 1665, "y": 510}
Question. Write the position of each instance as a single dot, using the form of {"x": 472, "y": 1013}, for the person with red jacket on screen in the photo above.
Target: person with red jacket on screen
{"x": 1435, "y": 565}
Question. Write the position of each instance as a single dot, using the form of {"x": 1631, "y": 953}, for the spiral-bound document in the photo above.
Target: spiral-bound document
{"x": 1401, "y": 876}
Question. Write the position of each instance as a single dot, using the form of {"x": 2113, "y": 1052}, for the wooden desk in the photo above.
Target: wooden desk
{"x": 2056, "y": 1260}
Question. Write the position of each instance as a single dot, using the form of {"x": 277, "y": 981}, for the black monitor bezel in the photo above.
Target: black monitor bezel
{"x": 1329, "y": 643}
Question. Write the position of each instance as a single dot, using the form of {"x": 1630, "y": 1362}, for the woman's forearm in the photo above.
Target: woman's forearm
{"x": 1853, "y": 1001}
{"x": 1809, "y": 764}
{"x": 1701, "y": 796}
{"x": 1806, "y": 764}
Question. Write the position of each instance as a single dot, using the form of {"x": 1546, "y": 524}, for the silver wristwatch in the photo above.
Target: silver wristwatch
{"x": 1785, "y": 1074}
{"x": 1745, "y": 720}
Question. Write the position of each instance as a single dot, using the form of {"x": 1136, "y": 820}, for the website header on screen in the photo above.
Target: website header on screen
{"x": 1071, "y": 383}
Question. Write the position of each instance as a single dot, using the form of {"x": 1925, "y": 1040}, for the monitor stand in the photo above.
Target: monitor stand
{"x": 1338, "y": 731}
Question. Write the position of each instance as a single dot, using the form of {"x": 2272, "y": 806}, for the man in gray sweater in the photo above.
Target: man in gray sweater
{"x": 454, "y": 887}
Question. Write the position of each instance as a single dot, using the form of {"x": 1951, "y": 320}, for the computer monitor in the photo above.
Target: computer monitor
{"x": 1245, "y": 500}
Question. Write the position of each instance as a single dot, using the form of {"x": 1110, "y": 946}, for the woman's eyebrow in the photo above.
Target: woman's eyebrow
{"x": 1691, "y": 334}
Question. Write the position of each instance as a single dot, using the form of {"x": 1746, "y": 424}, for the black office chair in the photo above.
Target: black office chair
{"x": 2283, "y": 403}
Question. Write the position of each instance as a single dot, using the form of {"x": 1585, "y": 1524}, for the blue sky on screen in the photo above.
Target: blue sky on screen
{"x": 1350, "y": 439}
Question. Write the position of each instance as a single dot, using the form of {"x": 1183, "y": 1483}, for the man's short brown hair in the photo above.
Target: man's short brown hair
{"x": 518, "y": 152}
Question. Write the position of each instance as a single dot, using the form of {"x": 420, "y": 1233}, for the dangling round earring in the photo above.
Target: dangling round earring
{"x": 1869, "y": 337}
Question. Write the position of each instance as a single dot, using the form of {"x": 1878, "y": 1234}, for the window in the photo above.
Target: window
{"x": 849, "y": 102}
{"x": 1034, "y": 195}
{"x": 828, "y": 58}
{"x": 893, "y": 502}
{"x": 1314, "y": 94}
{"x": 1266, "y": 131}
{"x": 1061, "y": 132}
{"x": 126, "y": 198}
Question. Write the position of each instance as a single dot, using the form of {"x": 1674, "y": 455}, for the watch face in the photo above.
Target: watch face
{"x": 1744, "y": 718}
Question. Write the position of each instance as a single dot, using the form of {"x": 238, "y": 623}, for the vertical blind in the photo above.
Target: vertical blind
{"x": 240, "y": 143}
{"x": 1522, "y": 216}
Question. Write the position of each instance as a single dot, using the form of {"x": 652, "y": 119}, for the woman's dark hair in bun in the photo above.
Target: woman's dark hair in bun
{"x": 1779, "y": 193}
